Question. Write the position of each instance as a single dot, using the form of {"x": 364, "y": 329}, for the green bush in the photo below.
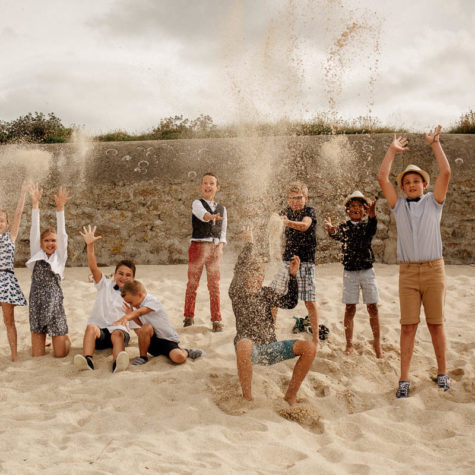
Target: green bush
{"x": 465, "y": 125}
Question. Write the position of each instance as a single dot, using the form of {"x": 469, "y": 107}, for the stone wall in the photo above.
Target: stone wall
{"x": 139, "y": 194}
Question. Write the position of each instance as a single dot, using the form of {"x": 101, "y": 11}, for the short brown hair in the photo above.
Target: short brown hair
{"x": 297, "y": 187}
{"x": 127, "y": 263}
{"x": 132, "y": 287}
{"x": 210, "y": 174}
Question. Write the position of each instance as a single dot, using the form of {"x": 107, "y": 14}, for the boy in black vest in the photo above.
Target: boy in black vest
{"x": 209, "y": 222}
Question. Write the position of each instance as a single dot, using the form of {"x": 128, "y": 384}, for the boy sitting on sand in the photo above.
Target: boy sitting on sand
{"x": 150, "y": 321}
{"x": 101, "y": 331}
{"x": 355, "y": 236}
{"x": 209, "y": 221}
{"x": 300, "y": 222}
{"x": 419, "y": 251}
{"x": 255, "y": 341}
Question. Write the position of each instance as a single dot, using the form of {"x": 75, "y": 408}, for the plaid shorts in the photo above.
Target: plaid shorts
{"x": 305, "y": 279}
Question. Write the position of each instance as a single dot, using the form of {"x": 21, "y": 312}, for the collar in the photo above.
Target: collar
{"x": 116, "y": 287}
{"x": 411, "y": 200}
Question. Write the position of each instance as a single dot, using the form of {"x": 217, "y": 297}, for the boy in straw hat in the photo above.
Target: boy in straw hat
{"x": 355, "y": 236}
{"x": 419, "y": 250}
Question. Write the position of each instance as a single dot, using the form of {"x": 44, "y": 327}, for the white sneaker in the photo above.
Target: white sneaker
{"x": 82, "y": 363}
{"x": 121, "y": 363}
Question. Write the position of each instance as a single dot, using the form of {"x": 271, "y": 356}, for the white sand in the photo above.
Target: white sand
{"x": 191, "y": 418}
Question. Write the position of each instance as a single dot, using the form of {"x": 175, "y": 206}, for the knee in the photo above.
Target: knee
{"x": 305, "y": 348}
{"x": 178, "y": 356}
{"x": 408, "y": 330}
{"x": 117, "y": 336}
{"x": 145, "y": 330}
{"x": 372, "y": 309}
{"x": 92, "y": 329}
{"x": 350, "y": 310}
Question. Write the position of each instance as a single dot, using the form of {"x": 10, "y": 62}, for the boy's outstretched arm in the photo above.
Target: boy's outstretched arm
{"x": 26, "y": 185}
{"x": 131, "y": 314}
{"x": 297, "y": 225}
{"x": 390, "y": 193}
{"x": 442, "y": 183}
{"x": 90, "y": 238}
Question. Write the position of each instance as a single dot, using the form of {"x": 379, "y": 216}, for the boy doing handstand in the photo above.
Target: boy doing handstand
{"x": 101, "y": 331}
{"x": 355, "y": 236}
{"x": 255, "y": 340}
{"x": 150, "y": 321}
{"x": 300, "y": 223}
{"x": 419, "y": 251}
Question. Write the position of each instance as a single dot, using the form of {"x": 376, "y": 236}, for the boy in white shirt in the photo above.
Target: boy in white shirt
{"x": 150, "y": 321}
{"x": 101, "y": 331}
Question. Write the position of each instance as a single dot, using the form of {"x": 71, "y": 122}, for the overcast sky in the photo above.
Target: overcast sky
{"x": 125, "y": 64}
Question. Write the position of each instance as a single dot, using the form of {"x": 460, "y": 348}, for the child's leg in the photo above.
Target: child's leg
{"x": 9, "y": 320}
{"x": 178, "y": 355}
{"x": 408, "y": 336}
{"x": 374, "y": 322}
{"x": 437, "y": 334}
{"x": 144, "y": 333}
{"x": 92, "y": 333}
{"x": 313, "y": 317}
{"x": 306, "y": 350}
{"x": 38, "y": 344}
{"x": 196, "y": 260}
{"x": 213, "y": 274}
{"x": 244, "y": 367}
{"x": 118, "y": 343}
{"x": 61, "y": 345}
{"x": 350, "y": 311}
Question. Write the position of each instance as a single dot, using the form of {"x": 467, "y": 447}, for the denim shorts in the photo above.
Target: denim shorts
{"x": 273, "y": 352}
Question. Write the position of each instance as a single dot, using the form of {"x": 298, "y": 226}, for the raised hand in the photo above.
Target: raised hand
{"x": 371, "y": 209}
{"x": 247, "y": 234}
{"x": 399, "y": 144}
{"x": 433, "y": 136}
{"x": 35, "y": 193}
{"x": 61, "y": 198}
{"x": 328, "y": 224}
{"x": 89, "y": 235}
{"x": 294, "y": 265}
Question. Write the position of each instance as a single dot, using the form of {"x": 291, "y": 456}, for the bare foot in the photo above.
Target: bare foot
{"x": 349, "y": 349}
{"x": 291, "y": 400}
{"x": 377, "y": 350}
{"x": 14, "y": 358}
{"x": 48, "y": 343}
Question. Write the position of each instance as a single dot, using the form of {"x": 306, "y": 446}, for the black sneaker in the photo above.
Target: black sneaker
{"x": 188, "y": 321}
{"x": 195, "y": 353}
{"x": 403, "y": 390}
{"x": 83, "y": 362}
{"x": 443, "y": 381}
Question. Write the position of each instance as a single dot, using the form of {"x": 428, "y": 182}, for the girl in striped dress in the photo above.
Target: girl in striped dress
{"x": 49, "y": 252}
{"x": 10, "y": 292}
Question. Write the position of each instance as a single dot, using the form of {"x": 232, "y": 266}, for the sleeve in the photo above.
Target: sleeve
{"x": 101, "y": 284}
{"x": 199, "y": 210}
{"x": 288, "y": 300}
{"x": 62, "y": 249}
{"x": 224, "y": 226}
{"x": 435, "y": 203}
{"x": 237, "y": 283}
{"x": 396, "y": 206}
{"x": 371, "y": 227}
{"x": 35, "y": 245}
{"x": 339, "y": 234}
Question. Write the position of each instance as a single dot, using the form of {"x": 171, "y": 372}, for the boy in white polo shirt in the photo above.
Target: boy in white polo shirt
{"x": 150, "y": 321}
{"x": 101, "y": 331}
{"x": 419, "y": 251}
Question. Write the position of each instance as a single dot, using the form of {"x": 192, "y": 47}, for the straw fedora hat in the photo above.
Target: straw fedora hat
{"x": 356, "y": 195}
{"x": 413, "y": 169}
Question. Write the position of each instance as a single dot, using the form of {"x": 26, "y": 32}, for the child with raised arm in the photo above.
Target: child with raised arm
{"x": 419, "y": 251}
{"x": 49, "y": 252}
{"x": 255, "y": 340}
{"x": 300, "y": 222}
{"x": 209, "y": 221}
{"x": 101, "y": 331}
{"x": 150, "y": 321}
{"x": 10, "y": 291}
{"x": 355, "y": 236}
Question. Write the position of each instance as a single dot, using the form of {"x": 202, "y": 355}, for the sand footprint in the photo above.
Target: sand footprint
{"x": 304, "y": 414}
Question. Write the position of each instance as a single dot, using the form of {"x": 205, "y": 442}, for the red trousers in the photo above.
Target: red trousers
{"x": 202, "y": 254}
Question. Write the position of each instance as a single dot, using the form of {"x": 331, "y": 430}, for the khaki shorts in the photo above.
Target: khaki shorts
{"x": 422, "y": 282}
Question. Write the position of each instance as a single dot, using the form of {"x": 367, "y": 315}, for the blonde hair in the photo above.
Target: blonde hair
{"x": 297, "y": 187}
{"x": 46, "y": 232}
{"x": 5, "y": 212}
{"x": 133, "y": 287}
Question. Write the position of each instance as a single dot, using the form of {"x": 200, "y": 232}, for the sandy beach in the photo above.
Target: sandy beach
{"x": 184, "y": 419}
